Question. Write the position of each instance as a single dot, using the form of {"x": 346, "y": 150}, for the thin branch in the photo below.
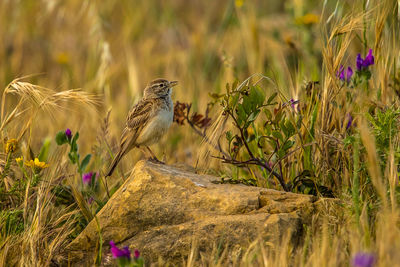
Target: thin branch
{"x": 259, "y": 162}
{"x": 203, "y": 134}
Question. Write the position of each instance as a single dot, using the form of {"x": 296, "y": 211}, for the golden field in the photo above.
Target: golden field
{"x": 83, "y": 64}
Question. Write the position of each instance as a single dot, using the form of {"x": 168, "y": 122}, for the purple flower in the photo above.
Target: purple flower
{"x": 90, "y": 200}
{"x": 119, "y": 253}
{"x": 137, "y": 254}
{"x": 87, "y": 178}
{"x": 68, "y": 133}
{"x": 340, "y": 73}
{"x": 293, "y": 103}
{"x": 363, "y": 259}
{"x": 360, "y": 62}
{"x": 349, "y": 122}
{"x": 349, "y": 73}
{"x": 369, "y": 59}
{"x": 365, "y": 63}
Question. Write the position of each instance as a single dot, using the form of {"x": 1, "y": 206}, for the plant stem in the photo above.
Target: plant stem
{"x": 356, "y": 181}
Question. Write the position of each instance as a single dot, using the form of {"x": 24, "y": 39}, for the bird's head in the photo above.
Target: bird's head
{"x": 159, "y": 88}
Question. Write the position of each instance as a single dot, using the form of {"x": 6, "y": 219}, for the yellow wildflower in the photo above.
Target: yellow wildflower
{"x": 239, "y": 3}
{"x": 36, "y": 164}
{"x": 308, "y": 19}
{"x": 18, "y": 160}
{"x": 250, "y": 130}
{"x": 11, "y": 145}
{"x": 62, "y": 58}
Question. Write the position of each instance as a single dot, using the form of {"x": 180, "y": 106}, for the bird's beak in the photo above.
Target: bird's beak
{"x": 173, "y": 83}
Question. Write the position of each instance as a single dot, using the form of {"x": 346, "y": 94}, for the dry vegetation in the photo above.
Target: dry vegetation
{"x": 111, "y": 49}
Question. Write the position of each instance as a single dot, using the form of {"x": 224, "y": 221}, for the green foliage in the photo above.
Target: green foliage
{"x": 73, "y": 154}
{"x": 61, "y": 138}
{"x": 44, "y": 150}
{"x": 85, "y": 162}
{"x": 124, "y": 262}
{"x": 11, "y": 222}
{"x": 385, "y": 124}
{"x": 266, "y": 134}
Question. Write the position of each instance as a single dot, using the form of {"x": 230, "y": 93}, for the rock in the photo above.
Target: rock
{"x": 161, "y": 210}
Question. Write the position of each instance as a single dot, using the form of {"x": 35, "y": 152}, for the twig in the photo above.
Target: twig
{"x": 259, "y": 162}
{"x": 203, "y": 134}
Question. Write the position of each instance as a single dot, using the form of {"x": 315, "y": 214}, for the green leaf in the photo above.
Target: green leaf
{"x": 271, "y": 98}
{"x": 288, "y": 144}
{"x": 44, "y": 150}
{"x": 277, "y": 135}
{"x": 235, "y": 84}
{"x": 250, "y": 138}
{"x": 61, "y": 138}
{"x": 74, "y": 145}
{"x": 85, "y": 162}
{"x": 248, "y": 106}
{"x": 268, "y": 129}
{"x": 290, "y": 128}
{"x": 233, "y": 100}
{"x": 278, "y": 116}
{"x": 300, "y": 120}
{"x": 241, "y": 115}
{"x": 253, "y": 116}
{"x": 268, "y": 114}
{"x": 229, "y": 136}
{"x": 281, "y": 153}
{"x": 71, "y": 158}
{"x": 257, "y": 96}
{"x": 283, "y": 127}
{"x": 271, "y": 142}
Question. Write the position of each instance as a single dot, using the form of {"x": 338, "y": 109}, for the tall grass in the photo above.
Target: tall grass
{"x": 111, "y": 49}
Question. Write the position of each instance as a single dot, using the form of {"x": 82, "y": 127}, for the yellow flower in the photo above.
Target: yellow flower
{"x": 239, "y": 3}
{"x": 36, "y": 164}
{"x": 308, "y": 19}
{"x": 250, "y": 130}
{"x": 18, "y": 160}
{"x": 62, "y": 58}
{"x": 11, "y": 145}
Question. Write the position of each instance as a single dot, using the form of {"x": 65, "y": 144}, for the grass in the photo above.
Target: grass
{"x": 111, "y": 50}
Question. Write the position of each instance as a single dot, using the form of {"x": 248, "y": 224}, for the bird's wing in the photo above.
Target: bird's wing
{"x": 137, "y": 118}
{"x": 139, "y": 115}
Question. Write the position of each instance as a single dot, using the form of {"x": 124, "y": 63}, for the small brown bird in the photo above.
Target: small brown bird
{"x": 148, "y": 121}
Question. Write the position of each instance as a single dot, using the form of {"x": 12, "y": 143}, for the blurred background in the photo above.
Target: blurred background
{"x": 114, "y": 48}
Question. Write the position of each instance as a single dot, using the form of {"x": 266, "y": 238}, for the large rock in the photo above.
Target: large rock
{"x": 161, "y": 210}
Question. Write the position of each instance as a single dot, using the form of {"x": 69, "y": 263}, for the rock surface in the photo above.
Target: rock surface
{"x": 161, "y": 210}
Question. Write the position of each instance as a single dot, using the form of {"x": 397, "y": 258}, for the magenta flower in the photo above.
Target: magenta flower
{"x": 363, "y": 259}
{"x": 68, "y": 133}
{"x": 87, "y": 178}
{"x": 120, "y": 253}
{"x": 137, "y": 254}
{"x": 365, "y": 63}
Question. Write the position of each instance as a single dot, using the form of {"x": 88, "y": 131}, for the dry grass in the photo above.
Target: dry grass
{"x": 111, "y": 49}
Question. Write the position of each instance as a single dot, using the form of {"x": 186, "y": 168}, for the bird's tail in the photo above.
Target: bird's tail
{"x": 114, "y": 163}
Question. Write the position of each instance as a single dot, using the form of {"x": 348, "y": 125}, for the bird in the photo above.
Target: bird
{"x": 147, "y": 121}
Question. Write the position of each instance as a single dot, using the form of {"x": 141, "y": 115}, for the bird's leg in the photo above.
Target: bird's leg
{"x": 153, "y": 157}
{"x": 145, "y": 152}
